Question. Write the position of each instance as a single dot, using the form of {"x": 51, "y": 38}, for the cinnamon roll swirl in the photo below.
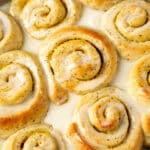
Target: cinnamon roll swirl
{"x": 100, "y": 4}
{"x": 139, "y": 88}
{"x": 10, "y": 33}
{"x": 103, "y": 121}
{"x": 41, "y": 17}
{"x": 127, "y": 24}
{"x": 77, "y": 59}
{"x": 23, "y": 99}
{"x": 35, "y": 137}
{"x": 139, "y": 81}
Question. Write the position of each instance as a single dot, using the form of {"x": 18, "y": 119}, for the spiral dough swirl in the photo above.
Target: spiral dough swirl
{"x": 41, "y": 17}
{"x": 139, "y": 87}
{"x": 77, "y": 59}
{"x": 103, "y": 121}
{"x": 10, "y": 33}
{"x": 128, "y": 26}
{"x": 139, "y": 81}
{"x": 35, "y": 137}
{"x": 23, "y": 97}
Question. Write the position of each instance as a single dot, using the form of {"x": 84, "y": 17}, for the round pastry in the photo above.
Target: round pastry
{"x": 104, "y": 121}
{"x": 127, "y": 24}
{"x": 10, "y": 33}
{"x": 23, "y": 99}
{"x": 42, "y": 17}
{"x": 100, "y": 4}
{"x": 78, "y": 60}
{"x": 35, "y": 137}
{"x": 139, "y": 82}
{"x": 139, "y": 87}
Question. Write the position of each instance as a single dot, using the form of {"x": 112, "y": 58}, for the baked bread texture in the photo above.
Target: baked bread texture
{"x": 140, "y": 80}
{"x": 78, "y": 60}
{"x": 35, "y": 137}
{"x": 104, "y": 120}
{"x": 100, "y": 4}
{"x": 127, "y": 24}
{"x": 42, "y": 17}
{"x": 139, "y": 88}
{"x": 23, "y": 98}
{"x": 10, "y": 33}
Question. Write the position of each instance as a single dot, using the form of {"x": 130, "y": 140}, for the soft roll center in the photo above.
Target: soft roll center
{"x": 15, "y": 84}
{"x": 45, "y": 16}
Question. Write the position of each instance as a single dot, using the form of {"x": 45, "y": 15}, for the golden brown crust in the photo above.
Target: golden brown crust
{"x": 34, "y": 107}
{"x": 127, "y": 24}
{"x": 146, "y": 123}
{"x": 10, "y": 33}
{"x": 77, "y": 139}
{"x": 138, "y": 80}
{"x": 100, "y": 4}
{"x": 42, "y": 17}
{"x": 86, "y": 61}
{"x": 39, "y": 136}
{"x": 110, "y": 103}
{"x": 139, "y": 88}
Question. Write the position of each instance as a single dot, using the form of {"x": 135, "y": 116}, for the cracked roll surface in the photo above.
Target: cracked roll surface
{"x": 103, "y": 121}
{"x": 23, "y": 98}
{"x": 100, "y": 4}
{"x": 128, "y": 25}
{"x": 78, "y": 60}
{"x": 139, "y": 87}
{"x": 42, "y": 17}
{"x": 35, "y": 137}
{"x": 10, "y": 33}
